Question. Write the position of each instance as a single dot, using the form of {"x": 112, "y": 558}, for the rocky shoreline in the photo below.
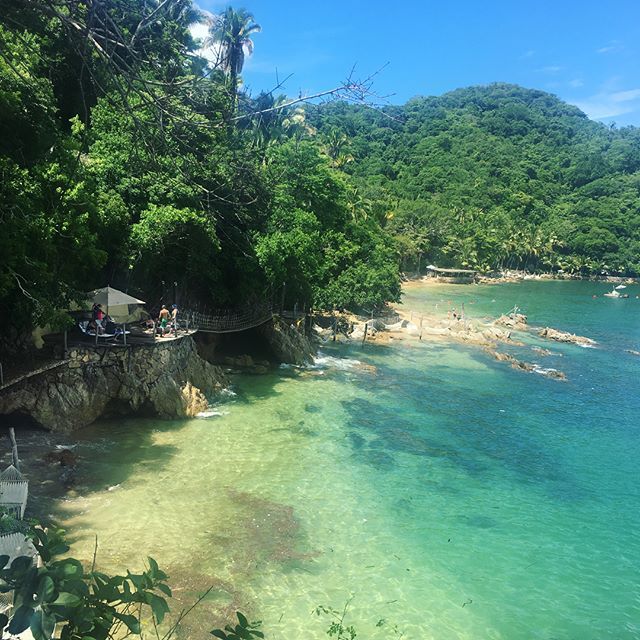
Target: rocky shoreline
{"x": 488, "y": 335}
{"x": 167, "y": 379}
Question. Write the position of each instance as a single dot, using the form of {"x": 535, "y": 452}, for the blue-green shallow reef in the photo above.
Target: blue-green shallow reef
{"x": 454, "y": 496}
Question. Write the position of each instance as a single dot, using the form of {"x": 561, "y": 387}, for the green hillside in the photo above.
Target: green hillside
{"x": 494, "y": 176}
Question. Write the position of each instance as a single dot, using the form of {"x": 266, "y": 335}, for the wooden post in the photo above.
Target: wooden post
{"x": 1, "y": 374}
{"x": 364, "y": 337}
{"x": 14, "y": 448}
{"x": 335, "y": 328}
{"x": 65, "y": 344}
{"x": 124, "y": 334}
{"x": 295, "y": 311}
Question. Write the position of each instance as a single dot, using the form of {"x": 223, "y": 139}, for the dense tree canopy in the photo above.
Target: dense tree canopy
{"x": 125, "y": 159}
{"x": 496, "y": 176}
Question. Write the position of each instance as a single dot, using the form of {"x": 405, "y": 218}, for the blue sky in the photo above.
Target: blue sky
{"x": 585, "y": 52}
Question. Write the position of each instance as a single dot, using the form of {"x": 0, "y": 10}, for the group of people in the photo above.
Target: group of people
{"x": 167, "y": 321}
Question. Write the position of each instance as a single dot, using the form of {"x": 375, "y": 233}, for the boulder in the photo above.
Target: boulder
{"x": 562, "y": 336}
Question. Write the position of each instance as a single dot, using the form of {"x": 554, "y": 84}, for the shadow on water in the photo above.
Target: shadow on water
{"x": 110, "y": 452}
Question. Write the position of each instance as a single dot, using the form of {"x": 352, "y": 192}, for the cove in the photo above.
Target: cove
{"x": 449, "y": 494}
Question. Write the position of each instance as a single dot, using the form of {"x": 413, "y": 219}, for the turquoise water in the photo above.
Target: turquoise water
{"x": 449, "y": 495}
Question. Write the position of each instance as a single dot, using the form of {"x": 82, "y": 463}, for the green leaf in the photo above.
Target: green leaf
{"x": 241, "y": 618}
{"x": 20, "y": 620}
{"x": 153, "y": 566}
{"x": 66, "y": 599}
{"x": 219, "y": 633}
{"x": 21, "y": 564}
{"x": 45, "y": 591}
{"x": 158, "y": 606}
{"x": 165, "y": 589}
{"x": 42, "y": 625}
{"x": 131, "y": 621}
{"x": 4, "y": 621}
{"x": 4, "y": 561}
{"x": 243, "y": 632}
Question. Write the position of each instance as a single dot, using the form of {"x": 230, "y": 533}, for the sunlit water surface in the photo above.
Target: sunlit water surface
{"x": 450, "y": 495}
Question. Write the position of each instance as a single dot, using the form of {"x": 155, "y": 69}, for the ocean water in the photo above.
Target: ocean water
{"x": 441, "y": 493}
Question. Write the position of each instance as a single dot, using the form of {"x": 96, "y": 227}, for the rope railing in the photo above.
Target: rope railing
{"x": 228, "y": 321}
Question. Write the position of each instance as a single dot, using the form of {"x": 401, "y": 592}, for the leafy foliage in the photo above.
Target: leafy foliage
{"x": 496, "y": 177}
{"x": 120, "y": 164}
{"x": 86, "y": 604}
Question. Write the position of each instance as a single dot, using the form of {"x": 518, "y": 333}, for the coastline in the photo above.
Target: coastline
{"x": 499, "y": 277}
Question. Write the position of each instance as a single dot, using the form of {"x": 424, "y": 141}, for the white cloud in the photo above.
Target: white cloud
{"x": 200, "y": 32}
{"x": 613, "y": 47}
{"x": 610, "y": 104}
{"x": 550, "y": 69}
{"x": 576, "y": 83}
{"x": 528, "y": 54}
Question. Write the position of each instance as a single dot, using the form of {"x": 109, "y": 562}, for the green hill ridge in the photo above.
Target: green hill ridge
{"x": 495, "y": 176}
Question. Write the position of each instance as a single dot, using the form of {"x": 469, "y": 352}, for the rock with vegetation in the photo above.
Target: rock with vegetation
{"x": 168, "y": 380}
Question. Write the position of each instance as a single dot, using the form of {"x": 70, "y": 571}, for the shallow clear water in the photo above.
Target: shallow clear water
{"x": 451, "y": 495}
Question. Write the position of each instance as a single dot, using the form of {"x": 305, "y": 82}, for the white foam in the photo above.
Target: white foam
{"x": 331, "y": 362}
{"x": 211, "y": 413}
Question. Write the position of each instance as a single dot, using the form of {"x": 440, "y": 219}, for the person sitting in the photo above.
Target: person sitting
{"x": 97, "y": 317}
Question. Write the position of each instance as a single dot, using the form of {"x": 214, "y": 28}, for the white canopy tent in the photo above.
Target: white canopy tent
{"x": 119, "y": 306}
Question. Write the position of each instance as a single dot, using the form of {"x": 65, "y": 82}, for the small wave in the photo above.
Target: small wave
{"x": 331, "y": 362}
{"x": 228, "y": 392}
{"x": 211, "y": 413}
{"x": 323, "y": 361}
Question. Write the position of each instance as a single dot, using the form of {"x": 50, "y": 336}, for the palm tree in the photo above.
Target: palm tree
{"x": 231, "y": 31}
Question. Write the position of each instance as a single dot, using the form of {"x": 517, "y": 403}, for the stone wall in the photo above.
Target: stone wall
{"x": 167, "y": 379}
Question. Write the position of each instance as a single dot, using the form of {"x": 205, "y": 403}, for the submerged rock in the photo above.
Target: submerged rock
{"x": 527, "y": 366}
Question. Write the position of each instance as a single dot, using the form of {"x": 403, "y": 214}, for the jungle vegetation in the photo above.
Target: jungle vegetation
{"x": 127, "y": 158}
{"x": 493, "y": 177}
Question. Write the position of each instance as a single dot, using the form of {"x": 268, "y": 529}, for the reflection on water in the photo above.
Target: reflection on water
{"x": 453, "y": 496}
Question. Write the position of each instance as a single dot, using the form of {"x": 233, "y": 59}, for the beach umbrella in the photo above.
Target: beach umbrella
{"x": 621, "y": 286}
{"x": 119, "y": 305}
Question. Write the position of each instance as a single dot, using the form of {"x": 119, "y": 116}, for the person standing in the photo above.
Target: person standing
{"x": 163, "y": 319}
{"x": 174, "y": 318}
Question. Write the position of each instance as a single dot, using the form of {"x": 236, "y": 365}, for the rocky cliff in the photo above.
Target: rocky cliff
{"x": 167, "y": 379}
{"x": 288, "y": 343}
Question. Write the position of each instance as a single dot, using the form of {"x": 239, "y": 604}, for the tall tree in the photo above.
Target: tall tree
{"x": 231, "y": 31}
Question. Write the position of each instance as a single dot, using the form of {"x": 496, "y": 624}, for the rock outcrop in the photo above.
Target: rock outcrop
{"x": 516, "y": 321}
{"x": 527, "y": 366}
{"x": 288, "y": 343}
{"x": 167, "y": 379}
{"x": 562, "y": 336}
